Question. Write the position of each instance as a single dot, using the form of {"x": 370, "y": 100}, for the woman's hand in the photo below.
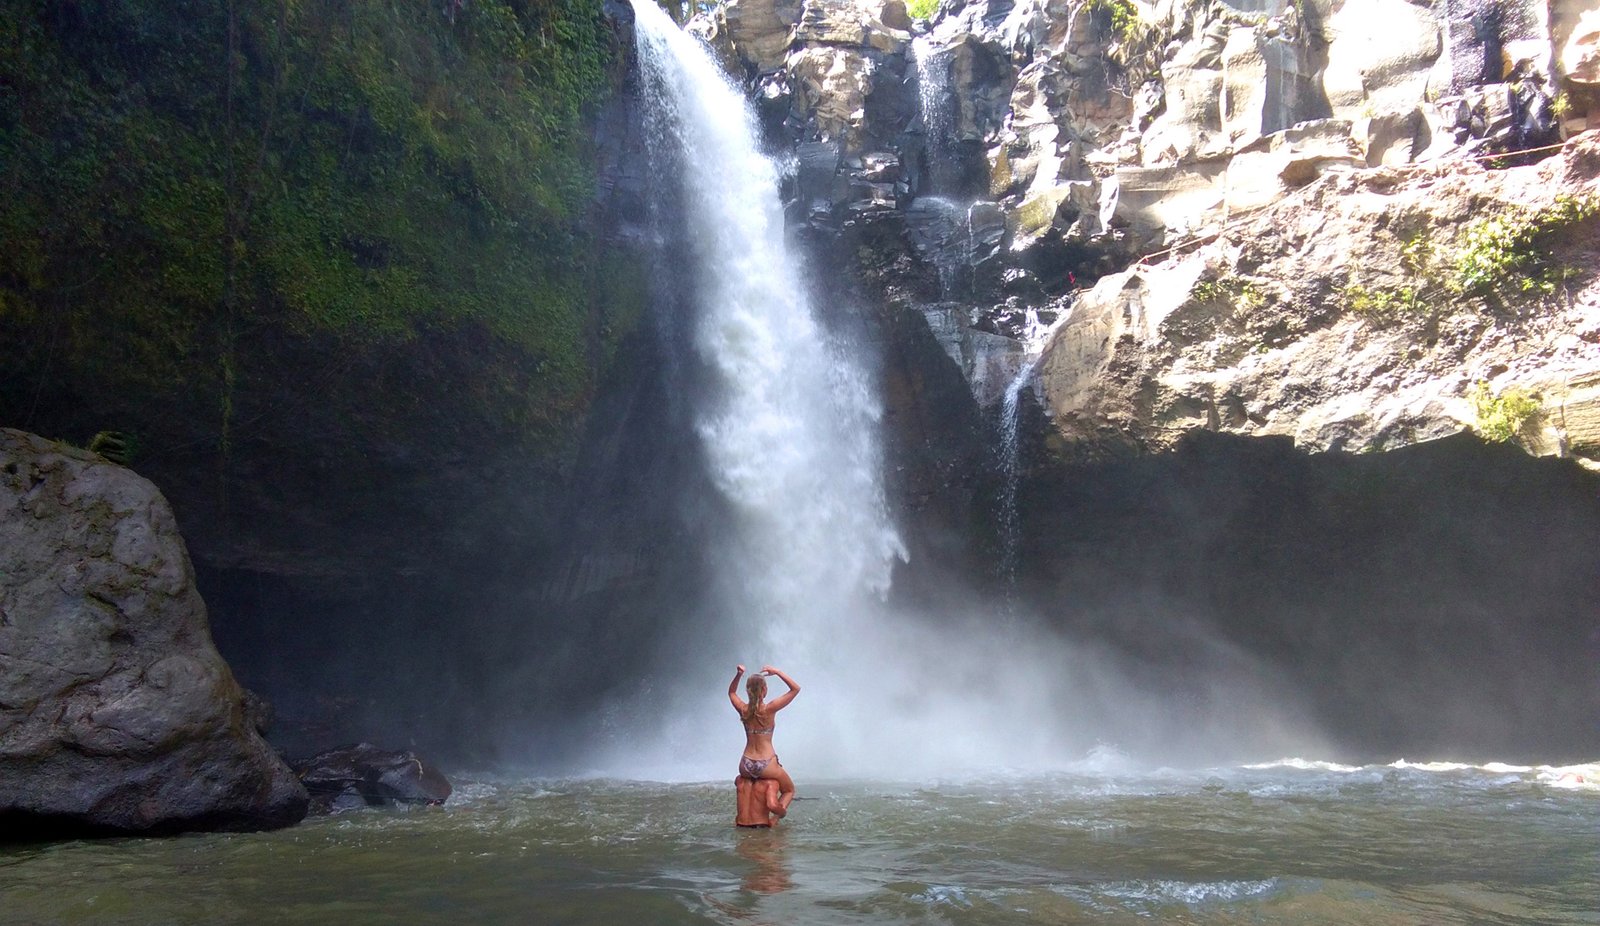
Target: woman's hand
{"x": 768, "y": 670}
{"x": 738, "y": 670}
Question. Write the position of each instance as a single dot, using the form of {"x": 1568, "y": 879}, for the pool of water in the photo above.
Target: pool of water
{"x": 1289, "y": 842}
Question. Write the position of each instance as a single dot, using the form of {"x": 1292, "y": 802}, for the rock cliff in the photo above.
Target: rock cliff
{"x": 1014, "y": 152}
{"x": 1370, "y": 311}
{"x": 116, "y": 712}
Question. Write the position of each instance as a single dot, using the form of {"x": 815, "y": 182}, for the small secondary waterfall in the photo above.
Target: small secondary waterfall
{"x": 790, "y": 421}
{"x": 933, "y": 95}
{"x": 1035, "y": 337}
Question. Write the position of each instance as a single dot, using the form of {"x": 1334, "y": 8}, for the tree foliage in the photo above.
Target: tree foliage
{"x": 181, "y": 177}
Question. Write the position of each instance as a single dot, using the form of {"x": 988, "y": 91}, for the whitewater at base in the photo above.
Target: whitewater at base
{"x": 1292, "y": 841}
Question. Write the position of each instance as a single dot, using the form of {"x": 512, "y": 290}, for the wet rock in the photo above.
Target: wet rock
{"x": 363, "y": 775}
{"x": 116, "y": 712}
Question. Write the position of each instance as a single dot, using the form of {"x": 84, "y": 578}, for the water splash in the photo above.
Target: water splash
{"x": 789, "y": 421}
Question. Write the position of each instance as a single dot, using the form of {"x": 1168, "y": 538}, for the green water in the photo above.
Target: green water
{"x": 1377, "y": 845}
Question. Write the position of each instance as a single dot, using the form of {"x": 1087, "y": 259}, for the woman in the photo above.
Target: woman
{"x": 759, "y": 761}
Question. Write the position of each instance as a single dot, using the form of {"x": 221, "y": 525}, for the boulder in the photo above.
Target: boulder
{"x": 758, "y": 32}
{"x": 117, "y": 714}
{"x": 363, "y": 775}
{"x": 831, "y": 86}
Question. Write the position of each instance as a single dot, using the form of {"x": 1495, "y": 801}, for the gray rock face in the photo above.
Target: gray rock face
{"x": 116, "y": 711}
{"x": 1336, "y": 318}
{"x": 1064, "y": 139}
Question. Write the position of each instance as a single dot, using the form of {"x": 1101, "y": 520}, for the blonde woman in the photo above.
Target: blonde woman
{"x": 757, "y": 714}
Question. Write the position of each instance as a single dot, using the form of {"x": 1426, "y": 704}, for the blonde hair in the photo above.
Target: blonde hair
{"x": 756, "y": 688}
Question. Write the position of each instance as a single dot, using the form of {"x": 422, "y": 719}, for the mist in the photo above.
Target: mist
{"x": 750, "y": 494}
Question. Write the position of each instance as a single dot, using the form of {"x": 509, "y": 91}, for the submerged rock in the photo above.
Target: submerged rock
{"x": 117, "y": 714}
{"x": 363, "y": 775}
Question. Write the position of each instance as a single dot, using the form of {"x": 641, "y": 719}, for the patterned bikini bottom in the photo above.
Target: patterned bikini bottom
{"x": 752, "y": 768}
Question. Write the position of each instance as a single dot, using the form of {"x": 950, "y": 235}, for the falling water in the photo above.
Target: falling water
{"x": 790, "y": 423}
{"x": 941, "y": 232}
{"x": 1035, "y": 337}
{"x": 934, "y": 97}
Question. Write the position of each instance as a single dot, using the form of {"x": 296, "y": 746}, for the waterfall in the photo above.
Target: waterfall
{"x": 934, "y": 98}
{"x": 1035, "y": 337}
{"x": 1011, "y": 473}
{"x": 789, "y": 420}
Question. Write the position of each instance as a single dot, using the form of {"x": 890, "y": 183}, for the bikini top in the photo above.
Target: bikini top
{"x": 767, "y": 731}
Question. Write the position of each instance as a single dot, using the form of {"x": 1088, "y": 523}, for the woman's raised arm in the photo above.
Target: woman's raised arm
{"x": 781, "y": 701}
{"x": 733, "y": 690}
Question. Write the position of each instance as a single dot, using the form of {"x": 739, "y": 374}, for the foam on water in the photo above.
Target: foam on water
{"x": 1580, "y": 777}
{"x": 1305, "y": 765}
{"x": 1162, "y": 893}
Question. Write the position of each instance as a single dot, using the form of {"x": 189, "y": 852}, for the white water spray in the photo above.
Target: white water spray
{"x": 790, "y": 429}
{"x": 790, "y": 432}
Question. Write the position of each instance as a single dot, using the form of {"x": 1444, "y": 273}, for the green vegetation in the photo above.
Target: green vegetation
{"x": 185, "y": 184}
{"x": 1383, "y": 305}
{"x": 1503, "y": 258}
{"x": 1511, "y": 252}
{"x": 114, "y": 446}
{"x": 1121, "y": 17}
{"x": 1236, "y": 291}
{"x": 1501, "y": 417}
{"x": 922, "y": 9}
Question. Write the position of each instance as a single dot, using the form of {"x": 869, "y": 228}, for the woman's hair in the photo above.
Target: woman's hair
{"x": 756, "y": 687}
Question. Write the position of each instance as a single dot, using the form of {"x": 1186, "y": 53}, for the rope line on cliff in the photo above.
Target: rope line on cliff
{"x": 1421, "y": 165}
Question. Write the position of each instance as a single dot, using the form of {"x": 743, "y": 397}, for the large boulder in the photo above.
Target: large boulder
{"x": 117, "y": 714}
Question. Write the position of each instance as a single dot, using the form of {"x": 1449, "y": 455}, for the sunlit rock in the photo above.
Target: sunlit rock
{"x": 831, "y": 88}
{"x": 1335, "y": 318}
{"x": 1381, "y": 55}
{"x": 116, "y": 712}
{"x": 1580, "y": 56}
{"x": 755, "y": 33}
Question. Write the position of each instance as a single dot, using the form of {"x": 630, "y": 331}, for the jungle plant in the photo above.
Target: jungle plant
{"x": 1511, "y": 252}
{"x": 114, "y": 446}
{"x": 1382, "y": 305}
{"x": 182, "y": 182}
{"x": 1232, "y": 290}
{"x": 1121, "y": 16}
{"x": 1500, "y": 417}
{"x": 922, "y": 9}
